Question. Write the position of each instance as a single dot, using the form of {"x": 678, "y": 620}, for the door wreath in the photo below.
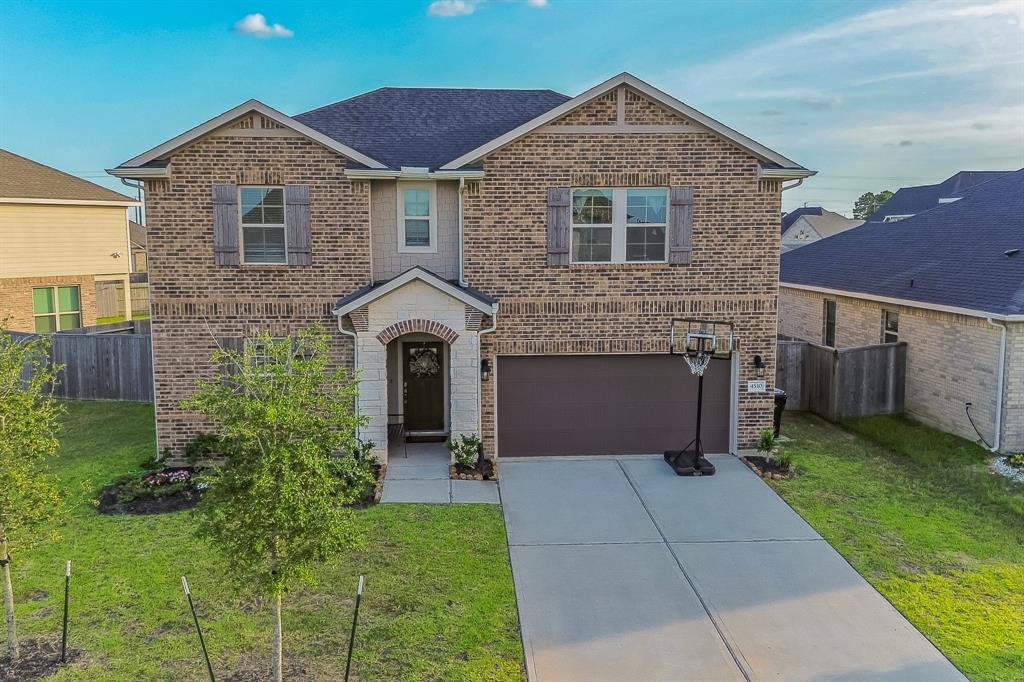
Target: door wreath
{"x": 423, "y": 362}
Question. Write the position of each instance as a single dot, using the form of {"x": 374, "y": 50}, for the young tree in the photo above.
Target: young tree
{"x": 29, "y": 420}
{"x": 277, "y": 506}
{"x": 868, "y": 203}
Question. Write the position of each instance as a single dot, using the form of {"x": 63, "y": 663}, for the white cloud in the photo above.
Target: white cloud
{"x": 944, "y": 77}
{"x": 451, "y": 8}
{"x": 537, "y": 3}
{"x": 256, "y": 25}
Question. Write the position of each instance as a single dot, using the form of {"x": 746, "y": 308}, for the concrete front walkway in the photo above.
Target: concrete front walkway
{"x": 418, "y": 472}
{"x": 624, "y": 571}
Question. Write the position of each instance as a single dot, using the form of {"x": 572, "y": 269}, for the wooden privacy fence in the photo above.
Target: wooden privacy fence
{"x": 102, "y": 366}
{"x": 110, "y": 298}
{"x": 837, "y": 383}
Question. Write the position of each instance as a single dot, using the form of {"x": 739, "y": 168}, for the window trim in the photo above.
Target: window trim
{"x": 885, "y": 331}
{"x": 619, "y": 226}
{"x": 401, "y": 217}
{"x": 242, "y": 226}
{"x": 57, "y": 312}
{"x": 824, "y": 321}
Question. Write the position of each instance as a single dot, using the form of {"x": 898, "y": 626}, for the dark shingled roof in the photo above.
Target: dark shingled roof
{"x": 953, "y": 254}
{"x": 427, "y": 127}
{"x": 22, "y": 178}
{"x": 792, "y": 216}
{"x": 913, "y": 200}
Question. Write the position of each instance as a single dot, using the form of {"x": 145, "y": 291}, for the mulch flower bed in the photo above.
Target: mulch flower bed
{"x": 37, "y": 658}
{"x": 485, "y": 470}
{"x": 153, "y": 492}
{"x": 768, "y": 469}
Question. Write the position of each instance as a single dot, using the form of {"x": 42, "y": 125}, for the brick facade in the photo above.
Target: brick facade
{"x": 16, "y": 311}
{"x": 951, "y": 359}
{"x": 625, "y": 308}
{"x": 615, "y": 308}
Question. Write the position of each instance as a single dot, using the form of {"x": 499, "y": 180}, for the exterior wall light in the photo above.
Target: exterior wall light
{"x": 485, "y": 370}
{"x": 759, "y": 366}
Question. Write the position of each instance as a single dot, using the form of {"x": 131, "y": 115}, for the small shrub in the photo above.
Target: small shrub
{"x": 363, "y": 451}
{"x": 357, "y": 472}
{"x": 154, "y": 484}
{"x": 204, "y": 446}
{"x": 466, "y": 450}
{"x": 784, "y": 461}
{"x": 1016, "y": 460}
{"x": 766, "y": 442}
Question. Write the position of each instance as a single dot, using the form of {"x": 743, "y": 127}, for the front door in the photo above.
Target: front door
{"x": 423, "y": 380}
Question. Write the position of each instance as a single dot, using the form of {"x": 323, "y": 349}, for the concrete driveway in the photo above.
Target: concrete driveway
{"x": 626, "y": 572}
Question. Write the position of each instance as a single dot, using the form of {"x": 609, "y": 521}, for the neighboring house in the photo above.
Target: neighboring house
{"x": 909, "y": 201}
{"x": 949, "y": 282}
{"x": 60, "y": 235}
{"x": 499, "y": 262}
{"x": 137, "y": 236}
{"x": 789, "y": 218}
{"x": 810, "y": 227}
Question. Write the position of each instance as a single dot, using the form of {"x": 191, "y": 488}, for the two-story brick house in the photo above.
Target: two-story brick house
{"x": 500, "y": 262}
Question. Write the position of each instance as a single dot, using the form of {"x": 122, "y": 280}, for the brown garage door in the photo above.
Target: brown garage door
{"x": 607, "y": 405}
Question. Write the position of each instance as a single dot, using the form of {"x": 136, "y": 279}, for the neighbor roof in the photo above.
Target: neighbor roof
{"x": 137, "y": 234}
{"x": 828, "y": 223}
{"x": 22, "y": 178}
{"x": 952, "y": 255}
{"x": 427, "y": 127}
{"x": 791, "y": 217}
{"x": 913, "y": 200}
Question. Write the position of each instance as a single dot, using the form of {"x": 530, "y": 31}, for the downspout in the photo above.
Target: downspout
{"x": 355, "y": 355}
{"x": 999, "y": 382}
{"x": 799, "y": 181}
{"x": 479, "y": 359}
{"x": 462, "y": 248}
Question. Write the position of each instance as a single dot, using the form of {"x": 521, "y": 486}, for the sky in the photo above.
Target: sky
{"x": 873, "y": 95}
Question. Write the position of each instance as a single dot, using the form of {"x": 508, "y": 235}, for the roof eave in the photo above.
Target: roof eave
{"x": 128, "y": 203}
{"x": 911, "y": 303}
{"x": 244, "y": 108}
{"x": 423, "y": 275}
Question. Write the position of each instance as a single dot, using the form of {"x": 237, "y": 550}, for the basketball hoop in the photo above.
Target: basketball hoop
{"x": 700, "y": 347}
{"x": 698, "y": 362}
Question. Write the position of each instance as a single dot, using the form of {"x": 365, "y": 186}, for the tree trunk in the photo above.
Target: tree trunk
{"x": 5, "y": 572}
{"x": 277, "y": 668}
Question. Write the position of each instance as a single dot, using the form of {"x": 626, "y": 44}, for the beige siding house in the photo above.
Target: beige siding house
{"x": 60, "y": 235}
{"x": 950, "y": 283}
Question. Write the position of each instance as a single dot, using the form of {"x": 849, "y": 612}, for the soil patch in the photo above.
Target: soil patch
{"x": 769, "y": 469}
{"x": 38, "y": 658}
{"x": 185, "y": 499}
{"x": 484, "y": 470}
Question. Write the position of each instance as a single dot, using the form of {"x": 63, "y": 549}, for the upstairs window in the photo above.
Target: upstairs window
{"x": 829, "y": 326}
{"x": 619, "y": 225}
{"x": 56, "y": 309}
{"x": 417, "y": 217}
{"x": 890, "y": 326}
{"x": 263, "y": 226}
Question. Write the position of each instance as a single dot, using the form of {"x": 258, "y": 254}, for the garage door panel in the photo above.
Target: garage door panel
{"x": 607, "y": 404}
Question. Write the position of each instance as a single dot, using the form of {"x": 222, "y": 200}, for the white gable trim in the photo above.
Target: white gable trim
{"x": 421, "y": 275}
{"x": 228, "y": 116}
{"x": 755, "y": 148}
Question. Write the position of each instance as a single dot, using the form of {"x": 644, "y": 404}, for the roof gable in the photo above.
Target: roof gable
{"x": 360, "y": 297}
{"x": 913, "y": 200}
{"x": 648, "y": 91}
{"x": 953, "y": 255}
{"x": 33, "y": 182}
{"x": 228, "y": 117}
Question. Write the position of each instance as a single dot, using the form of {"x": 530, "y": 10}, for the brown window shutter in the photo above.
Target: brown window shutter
{"x": 225, "y": 225}
{"x": 680, "y": 239}
{"x": 296, "y": 203}
{"x": 558, "y": 225}
{"x": 229, "y": 369}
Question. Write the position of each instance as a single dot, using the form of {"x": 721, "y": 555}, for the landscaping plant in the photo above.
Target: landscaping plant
{"x": 278, "y": 506}
{"x": 29, "y": 420}
{"x": 766, "y": 443}
{"x": 465, "y": 450}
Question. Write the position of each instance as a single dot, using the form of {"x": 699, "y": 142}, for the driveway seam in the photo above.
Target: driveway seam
{"x": 737, "y": 656}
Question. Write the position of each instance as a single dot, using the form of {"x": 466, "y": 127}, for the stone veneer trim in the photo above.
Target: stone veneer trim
{"x": 417, "y": 325}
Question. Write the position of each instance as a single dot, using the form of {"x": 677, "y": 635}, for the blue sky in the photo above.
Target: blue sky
{"x": 871, "y": 94}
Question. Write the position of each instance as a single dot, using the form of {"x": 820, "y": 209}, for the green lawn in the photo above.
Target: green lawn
{"x": 917, "y": 514}
{"x": 438, "y": 605}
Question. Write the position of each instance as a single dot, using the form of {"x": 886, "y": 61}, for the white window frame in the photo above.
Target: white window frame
{"x": 619, "y": 227}
{"x": 56, "y": 314}
{"x": 431, "y": 188}
{"x": 886, "y": 312}
{"x": 241, "y": 225}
